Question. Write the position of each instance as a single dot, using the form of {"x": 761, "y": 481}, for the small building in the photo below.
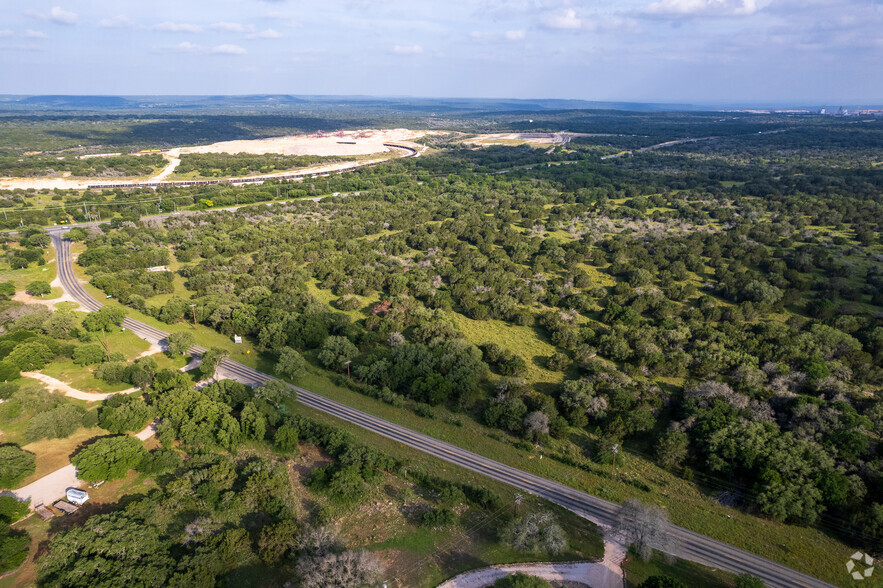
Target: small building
{"x": 44, "y": 512}
{"x": 66, "y": 507}
{"x": 237, "y": 339}
{"x": 158, "y": 268}
{"x": 77, "y": 496}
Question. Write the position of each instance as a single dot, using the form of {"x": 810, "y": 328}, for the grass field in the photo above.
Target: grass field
{"x": 22, "y": 277}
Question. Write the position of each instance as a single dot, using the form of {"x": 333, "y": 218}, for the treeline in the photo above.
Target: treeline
{"x": 23, "y": 166}
{"x": 220, "y": 165}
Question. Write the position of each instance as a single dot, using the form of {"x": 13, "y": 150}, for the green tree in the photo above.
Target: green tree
{"x": 291, "y": 364}
{"x": 109, "y": 458}
{"x": 104, "y": 319}
{"x": 210, "y": 361}
{"x": 179, "y": 342}
{"x": 30, "y": 356}
{"x": 662, "y": 582}
{"x": 671, "y": 449}
{"x": 88, "y": 354}
{"x": 253, "y": 422}
{"x": 749, "y": 581}
{"x": 16, "y": 464}
{"x": 38, "y": 288}
{"x": 130, "y": 552}
{"x": 285, "y": 440}
{"x": 58, "y": 423}
{"x": 12, "y": 509}
{"x": 13, "y": 547}
{"x": 336, "y": 352}
{"x": 276, "y": 540}
{"x": 124, "y": 412}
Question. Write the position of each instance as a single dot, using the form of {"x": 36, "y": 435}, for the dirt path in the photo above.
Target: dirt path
{"x": 173, "y": 156}
{"x": 53, "y": 486}
{"x": 604, "y": 574}
{"x": 59, "y": 386}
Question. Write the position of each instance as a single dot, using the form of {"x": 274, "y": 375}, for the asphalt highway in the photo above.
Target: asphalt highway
{"x": 687, "y": 544}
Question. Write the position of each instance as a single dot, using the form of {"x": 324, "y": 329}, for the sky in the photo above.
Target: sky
{"x": 807, "y": 52}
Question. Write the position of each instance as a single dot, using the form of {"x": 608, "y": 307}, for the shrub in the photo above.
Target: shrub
{"x": 519, "y": 580}
{"x": 438, "y": 517}
{"x": 58, "y": 423}
{"x": 16, "y": 464}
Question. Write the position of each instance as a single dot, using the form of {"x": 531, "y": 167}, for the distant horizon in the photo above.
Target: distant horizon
{"x": 713, "y": 106}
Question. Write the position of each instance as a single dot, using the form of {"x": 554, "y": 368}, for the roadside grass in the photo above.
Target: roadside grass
{"x": 692, "y": 574}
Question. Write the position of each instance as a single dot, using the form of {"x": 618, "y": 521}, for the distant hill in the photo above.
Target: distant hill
{"x": 76, "y": 101}
{"x": 281, "y": 101}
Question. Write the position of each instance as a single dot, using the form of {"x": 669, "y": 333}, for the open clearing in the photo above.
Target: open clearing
{"x": 533, "y": 139}
{"x": 342, "y": 143}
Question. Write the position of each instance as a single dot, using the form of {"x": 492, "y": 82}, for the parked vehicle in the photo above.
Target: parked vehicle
{"x": 77, "y": 496}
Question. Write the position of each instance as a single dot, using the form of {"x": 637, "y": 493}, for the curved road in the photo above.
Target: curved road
{"x": 688, "y": 545}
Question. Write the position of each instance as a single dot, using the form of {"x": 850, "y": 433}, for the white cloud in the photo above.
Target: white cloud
{"x": 675, "y": 8}
{"x": 177, "y": 27}
{"x": 564, "y": 19}
{"x": 228, "y": 50}
{"x": 58, "y": 15}
{"x": 281, "y": 18}
{"x": 117, "y": 22}
{"x": 514, "y": 35}
{"x": 265, "y": 34}
{"x": 407, "y": 49}
{"x": 188, "y": 47}
{"x": 231, "y": 27}
{"x": 32, "y": 34}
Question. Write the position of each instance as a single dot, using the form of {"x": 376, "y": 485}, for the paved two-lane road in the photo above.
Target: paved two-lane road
{"x": 689, "y": 545}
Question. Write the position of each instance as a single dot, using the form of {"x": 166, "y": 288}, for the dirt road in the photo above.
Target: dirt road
{"x": 59, "y": 386}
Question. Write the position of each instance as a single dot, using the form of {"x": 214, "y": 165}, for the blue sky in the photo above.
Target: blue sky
{"x": 699, "y": 51}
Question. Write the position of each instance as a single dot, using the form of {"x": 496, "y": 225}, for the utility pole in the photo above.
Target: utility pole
{"x": 615, "y": 451}
{"x": 348, "y": 369}
{"x": 518, "y": 499}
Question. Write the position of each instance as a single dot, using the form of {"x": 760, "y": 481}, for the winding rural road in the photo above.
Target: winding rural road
{"x": 688, "y": 545}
